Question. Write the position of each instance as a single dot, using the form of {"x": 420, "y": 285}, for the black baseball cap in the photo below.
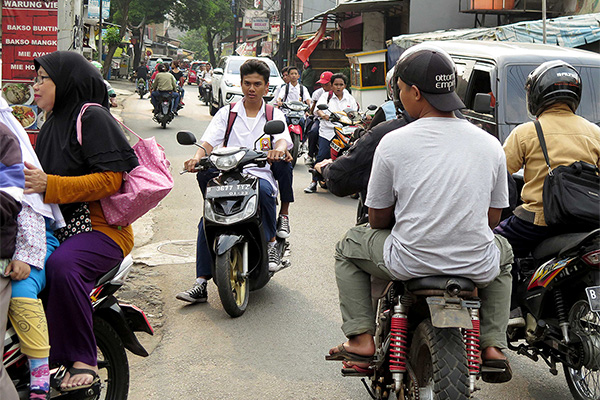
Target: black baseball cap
{"x": 434, "y": 73}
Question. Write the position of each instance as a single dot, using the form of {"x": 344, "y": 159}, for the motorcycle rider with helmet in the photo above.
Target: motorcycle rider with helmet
{"x": 429, "y": 215}
{"x": 553, "y": 95}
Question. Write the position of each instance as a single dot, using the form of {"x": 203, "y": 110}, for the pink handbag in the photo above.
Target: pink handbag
{"x": 142, "y": 188}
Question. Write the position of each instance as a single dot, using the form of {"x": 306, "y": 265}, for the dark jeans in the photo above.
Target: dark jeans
{"x": 313, "y": 138}
{"x": 523, "y": 236}
{"x": 154, "y": 96}
{"x": 283, "y": 172}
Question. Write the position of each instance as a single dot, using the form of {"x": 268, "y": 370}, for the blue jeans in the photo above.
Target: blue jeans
{"x": 283, "y": 172}
{"x": 268, "y": 209}
{"x": 174, "y": 99}
{"x": 313, "y": 138}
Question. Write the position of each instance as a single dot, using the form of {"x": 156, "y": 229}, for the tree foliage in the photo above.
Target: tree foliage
{"x": 195, "y": 41}
{"x": 212, "y": 17}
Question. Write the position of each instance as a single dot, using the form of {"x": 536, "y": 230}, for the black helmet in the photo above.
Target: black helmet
{"x": 552, "y": 82}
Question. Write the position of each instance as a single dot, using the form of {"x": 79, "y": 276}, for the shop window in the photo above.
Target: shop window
{"x": 372, "y": 74}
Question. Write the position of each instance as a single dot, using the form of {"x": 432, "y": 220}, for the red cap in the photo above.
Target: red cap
{"x": 325, "y": 77}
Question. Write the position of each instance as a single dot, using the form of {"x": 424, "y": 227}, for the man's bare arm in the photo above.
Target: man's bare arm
{"x": 381, "y": 218}
{"x": 494, "y": 215}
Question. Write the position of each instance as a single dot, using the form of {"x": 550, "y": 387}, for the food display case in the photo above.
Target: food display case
{"x": 367, "y": 77}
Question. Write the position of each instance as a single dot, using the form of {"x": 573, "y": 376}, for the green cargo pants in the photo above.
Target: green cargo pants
{"x": 359, "y": 255}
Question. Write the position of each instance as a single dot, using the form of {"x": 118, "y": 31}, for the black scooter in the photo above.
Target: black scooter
{"x": 164, "y": 113}
{"x": 233, "y": 225}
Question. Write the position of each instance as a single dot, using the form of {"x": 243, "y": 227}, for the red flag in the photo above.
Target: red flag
{"x": 309, "y": 45}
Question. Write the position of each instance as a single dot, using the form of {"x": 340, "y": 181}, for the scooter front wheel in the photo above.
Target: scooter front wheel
{"x": 233, "y": 287}
{"x": 295, "y": 149}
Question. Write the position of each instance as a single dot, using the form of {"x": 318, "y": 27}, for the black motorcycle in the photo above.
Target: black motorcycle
{"x": 163, "y": 112}
{"x": 558, "y": 290}
{"x": 114, "y": 327}
{"x": 141, "y": 87}
{"x": 233, "y": 225}
{"x": 206, "y": 92}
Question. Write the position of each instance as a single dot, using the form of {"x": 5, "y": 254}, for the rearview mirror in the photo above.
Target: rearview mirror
{"x": 322, "y": 107}
{"x": 272, "y": 127}
{"x": 482, "y": 103}
{"x": 372, "y": 107}
{"x": 218, "y": 71}
{"x": 186, "y": 138}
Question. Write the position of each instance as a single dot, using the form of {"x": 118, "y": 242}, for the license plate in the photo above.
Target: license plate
{"x": 228, "y": 191}
{"x": 593, "y": 294}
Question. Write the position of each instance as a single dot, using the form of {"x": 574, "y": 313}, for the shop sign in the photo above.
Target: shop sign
{"x": 29, "y": 30}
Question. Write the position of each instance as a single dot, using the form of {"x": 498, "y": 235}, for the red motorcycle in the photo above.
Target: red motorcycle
{"x": 296, "y": 111}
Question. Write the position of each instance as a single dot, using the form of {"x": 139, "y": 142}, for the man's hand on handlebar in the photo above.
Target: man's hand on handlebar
{"x": 191, "y": 165}
{"x": 276, "y": 155}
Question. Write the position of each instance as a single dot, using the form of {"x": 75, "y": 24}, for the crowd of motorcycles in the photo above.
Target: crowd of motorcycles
{"x": 427, "y": 329}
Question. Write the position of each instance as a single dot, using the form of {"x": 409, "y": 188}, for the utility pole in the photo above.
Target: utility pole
{"x": 544, "y": 19}
{"x": 285, "y": 26}
{"x": 100, "y": 34}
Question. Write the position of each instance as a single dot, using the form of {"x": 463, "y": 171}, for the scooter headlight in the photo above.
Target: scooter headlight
{"x": 248, "y": 211}
{"x": 226, "y": 162}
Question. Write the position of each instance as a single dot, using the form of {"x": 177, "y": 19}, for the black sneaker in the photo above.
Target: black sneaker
{"x": 283, "y": 226}
{"x": 312, "y": 188}
{"x": 274, "y": 259}
{"x": 197, "y": 294}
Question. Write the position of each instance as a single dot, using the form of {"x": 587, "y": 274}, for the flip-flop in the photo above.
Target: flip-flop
{"x": 81, "y": 371}
{"x": 355, "y": 370}
{"x": 502, "y": 374}
{"x": 344, "y": 355}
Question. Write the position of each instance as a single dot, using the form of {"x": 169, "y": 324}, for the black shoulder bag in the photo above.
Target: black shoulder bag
{"x": 571, "y": 193}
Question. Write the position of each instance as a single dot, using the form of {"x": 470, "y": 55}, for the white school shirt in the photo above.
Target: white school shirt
{"x": 346, "y": 103}
{"x": 293, "y": 93}
{"x": 244, "y": 133}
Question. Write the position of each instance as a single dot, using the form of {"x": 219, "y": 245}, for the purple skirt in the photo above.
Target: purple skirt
{"x": 71, "y": 272}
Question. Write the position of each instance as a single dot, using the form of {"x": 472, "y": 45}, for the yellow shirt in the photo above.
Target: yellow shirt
{"x": 91, "y": 188}
{"x": 569, "y": 138}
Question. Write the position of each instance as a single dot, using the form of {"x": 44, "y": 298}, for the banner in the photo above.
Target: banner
{"x": 94, "y": 9}
{"x": 29, "y": 30}
{"x": 309, "y": 45}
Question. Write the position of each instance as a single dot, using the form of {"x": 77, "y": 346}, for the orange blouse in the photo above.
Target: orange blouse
{"x": 91, "y": 188}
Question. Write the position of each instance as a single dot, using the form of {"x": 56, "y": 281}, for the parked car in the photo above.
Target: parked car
{"x": 193, "y": 71}
{"x": 491, "y": 80}
{"x": 226, "y": 82}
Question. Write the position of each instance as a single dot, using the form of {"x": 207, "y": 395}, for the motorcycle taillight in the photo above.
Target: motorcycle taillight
{"x": 592, "y": 258}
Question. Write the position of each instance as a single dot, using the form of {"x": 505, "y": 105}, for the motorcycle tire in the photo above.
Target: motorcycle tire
{"x": 234, "y": 290}
{"x": 113, "y": 365}
{"x": 439, "y": 360}
{"x": 213, "y": 110}
{"x": 141, "y": 95}
{"x": 295, "y": 149}
{"x": 163, "y": 123}
{"x": 583, "y": 383}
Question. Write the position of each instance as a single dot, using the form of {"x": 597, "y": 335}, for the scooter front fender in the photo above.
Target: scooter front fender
{"x": 226, "y": 242}
{"x": 110, "y": 311}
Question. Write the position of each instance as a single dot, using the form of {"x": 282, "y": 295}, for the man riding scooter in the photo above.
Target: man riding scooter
{"x": 250, "y": 116}
{"x": 164, "y": 82}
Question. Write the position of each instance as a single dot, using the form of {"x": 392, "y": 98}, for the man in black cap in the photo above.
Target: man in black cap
{"x": 437, "y": 188}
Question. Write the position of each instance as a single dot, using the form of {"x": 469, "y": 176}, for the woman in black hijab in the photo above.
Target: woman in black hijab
{"x": 77, "y": 174}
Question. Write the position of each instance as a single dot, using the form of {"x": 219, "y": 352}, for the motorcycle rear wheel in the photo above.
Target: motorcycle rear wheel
{"x": 439, "y": 361}
{"x": 584, "y": 383}
{"x": 113, "y": 365}
{"x": 233, "y": 288}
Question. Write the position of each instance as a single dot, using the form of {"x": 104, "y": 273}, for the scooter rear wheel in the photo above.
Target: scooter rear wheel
{"x": 112, "y": 362}
{"x": 233, "y": 288}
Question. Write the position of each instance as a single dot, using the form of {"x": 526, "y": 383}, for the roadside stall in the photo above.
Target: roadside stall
{"x": 367, "y": 77}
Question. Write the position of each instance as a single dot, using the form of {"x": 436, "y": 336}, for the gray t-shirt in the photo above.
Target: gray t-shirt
{"x": 443, "y": 175}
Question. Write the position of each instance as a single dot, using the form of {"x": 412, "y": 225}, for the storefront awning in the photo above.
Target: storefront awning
{"x": 336, "y": 13}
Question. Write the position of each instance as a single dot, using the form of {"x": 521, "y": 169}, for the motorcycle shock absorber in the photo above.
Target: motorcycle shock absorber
{"x": 471, "y": 338}
{"x": 561, "y": 312}
{"x": 399, "y": 341}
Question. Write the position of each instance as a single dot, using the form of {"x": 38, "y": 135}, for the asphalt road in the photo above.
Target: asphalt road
{"x": 276, "y": 349}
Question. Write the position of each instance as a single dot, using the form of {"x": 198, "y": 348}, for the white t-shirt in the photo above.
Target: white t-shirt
{"x": 346, "y": 103}
{"x": 244, "y": 133}
{"x": 441, "y": 175}
{"x": 293, "y": 93}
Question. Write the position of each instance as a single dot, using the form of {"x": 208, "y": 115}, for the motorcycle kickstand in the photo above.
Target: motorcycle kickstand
{"x": 363, "y": 380}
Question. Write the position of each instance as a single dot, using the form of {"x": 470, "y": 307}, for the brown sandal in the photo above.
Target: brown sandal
{"x": 344, "y": 355}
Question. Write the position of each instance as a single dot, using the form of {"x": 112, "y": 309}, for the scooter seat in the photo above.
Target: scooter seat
{"x": 560, "y": 244}
{"x": 440, "y": 282}
{"x": 109, "y": 275}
